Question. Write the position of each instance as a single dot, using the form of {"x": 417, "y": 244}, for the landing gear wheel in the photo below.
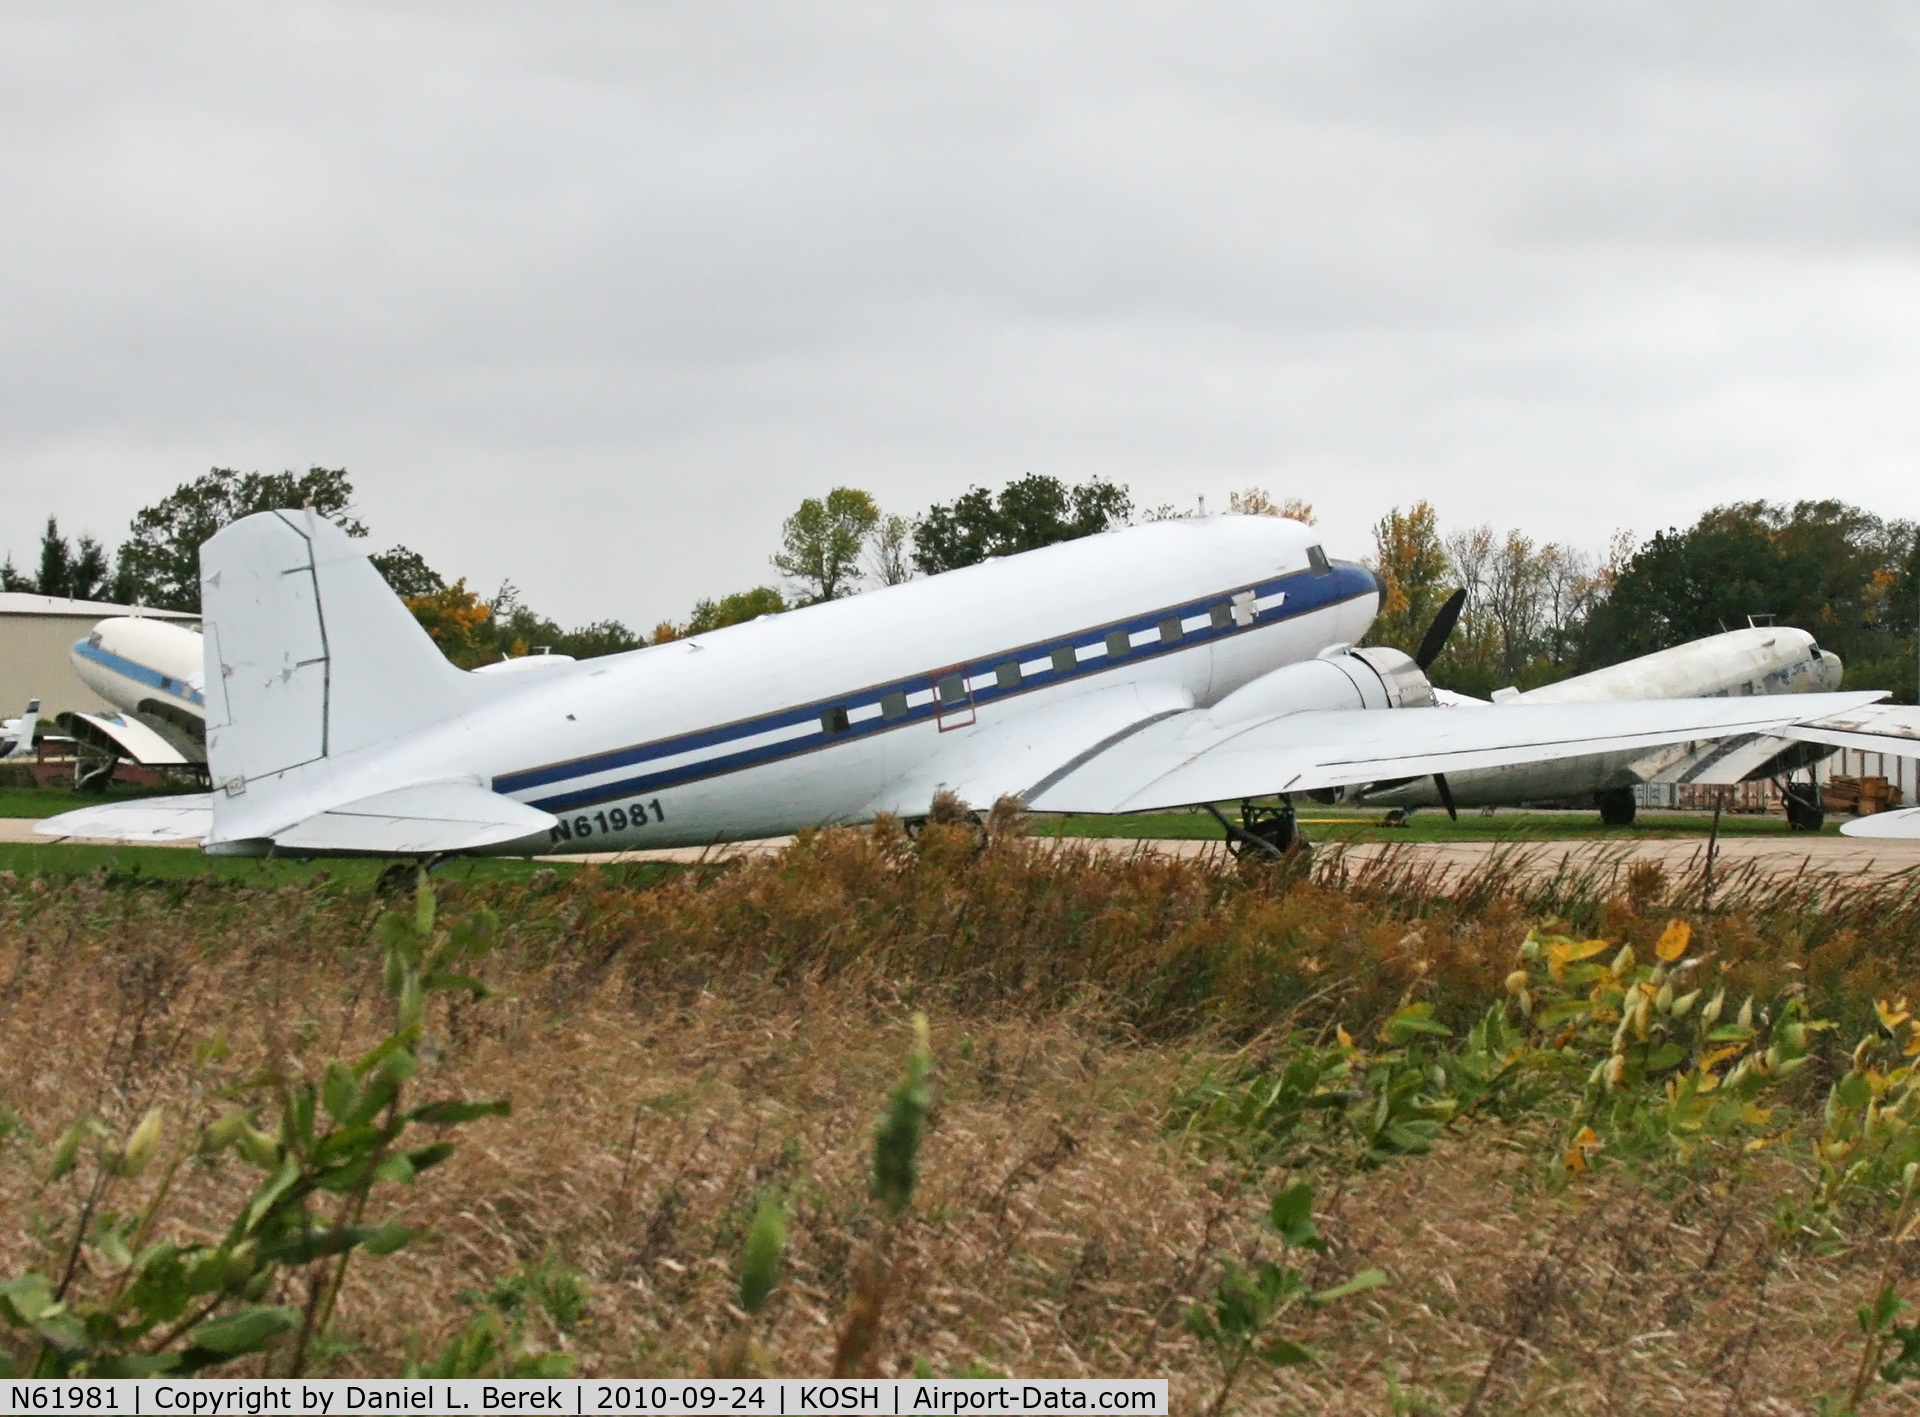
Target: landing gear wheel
{"x": 1805, "y": 811}
{"x": 1617, "y": 807}
{"x": 1262, "y": 833}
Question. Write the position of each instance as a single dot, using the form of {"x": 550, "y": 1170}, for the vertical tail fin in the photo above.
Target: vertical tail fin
{"x": 19, "y": 742}
{"x": 309, "y": 654}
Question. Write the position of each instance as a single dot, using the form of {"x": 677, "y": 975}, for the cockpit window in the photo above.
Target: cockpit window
{"x": 1317, "y": 559}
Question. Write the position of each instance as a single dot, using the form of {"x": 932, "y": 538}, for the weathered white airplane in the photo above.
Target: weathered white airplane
{"x": 1178, "y": 663}
{"x": 1763, "y": 659}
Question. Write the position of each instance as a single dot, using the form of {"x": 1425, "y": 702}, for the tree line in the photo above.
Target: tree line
{"x": 1536, "y": 611}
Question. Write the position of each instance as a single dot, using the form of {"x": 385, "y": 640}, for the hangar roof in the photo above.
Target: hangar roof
{"x": 19, "y": 602}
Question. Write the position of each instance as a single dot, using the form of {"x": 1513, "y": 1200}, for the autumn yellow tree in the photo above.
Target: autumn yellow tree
{"x": 1258, "y": 502}
{"x": 1412, "y": 564}
{"x": 458, "y": 622}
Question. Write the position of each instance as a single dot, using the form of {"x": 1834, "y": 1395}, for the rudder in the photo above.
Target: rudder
{"x": 310, "y": 654}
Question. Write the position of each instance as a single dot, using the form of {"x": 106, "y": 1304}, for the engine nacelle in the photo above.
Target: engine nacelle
{"x": 1341, "y": 678}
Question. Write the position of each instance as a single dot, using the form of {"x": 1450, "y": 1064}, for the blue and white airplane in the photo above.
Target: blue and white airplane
{"x": 1178, "y": 663}
{"x": 150, "y": 671}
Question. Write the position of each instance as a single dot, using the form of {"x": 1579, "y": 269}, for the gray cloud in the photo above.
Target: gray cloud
{"x": 590, "y": 296}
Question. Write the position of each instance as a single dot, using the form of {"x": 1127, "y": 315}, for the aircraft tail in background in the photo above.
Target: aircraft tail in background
{"x": 16, "y": 735}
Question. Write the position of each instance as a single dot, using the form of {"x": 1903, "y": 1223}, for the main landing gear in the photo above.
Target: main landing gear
{"x": 1262, "y": 833}
{"x": 1805, "y": 811}
{"x": 1617, "y": 807}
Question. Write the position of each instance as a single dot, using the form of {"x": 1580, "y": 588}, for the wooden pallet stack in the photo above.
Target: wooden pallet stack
{"x": 1862, "y": 796}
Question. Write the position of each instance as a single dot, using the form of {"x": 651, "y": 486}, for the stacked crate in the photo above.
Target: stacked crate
{"x": 1862, "y": 796}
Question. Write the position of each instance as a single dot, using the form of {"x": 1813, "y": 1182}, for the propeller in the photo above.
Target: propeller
{"x": 1435, "y": 638}
{"x": 1431, "y": 643}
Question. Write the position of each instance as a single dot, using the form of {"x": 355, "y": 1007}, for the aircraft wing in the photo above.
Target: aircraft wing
{"x": 1874, "y": 728}
{"x": 141, "y": 821}
{"x": 1186, "y": 758}
{"x": 130, "y": 736}
{"x": 1901, "y": 825}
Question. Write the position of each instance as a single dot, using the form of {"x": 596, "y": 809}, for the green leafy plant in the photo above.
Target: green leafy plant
{"x": 896, "y": 1172}
{"x": 123, "y": 1303}
{"x": 1239, "y": 1319}
{"x": 495, "y": 1345}
{"x": 760, "y": 1265}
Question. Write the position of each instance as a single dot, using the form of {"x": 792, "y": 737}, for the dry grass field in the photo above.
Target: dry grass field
{"x": 676, "y": 1050}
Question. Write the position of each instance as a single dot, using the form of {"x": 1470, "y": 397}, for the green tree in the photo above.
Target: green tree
{"x": 601, "y": 637}
{"x": 77, "y": 570}
{"x": 407, "y": 572}
{"x": 1841, "y": 573}
{"x": 1034, "y": 511}
{"x": 734, "y": 609}
{"x": 890, "y": 553}
{"x": 821, "y": 543}
{"x": 159, "y": 563}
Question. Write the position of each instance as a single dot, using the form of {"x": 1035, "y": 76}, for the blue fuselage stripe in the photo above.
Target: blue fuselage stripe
{"x": 1305, "y": 592}
{"x": 139, "y": 673}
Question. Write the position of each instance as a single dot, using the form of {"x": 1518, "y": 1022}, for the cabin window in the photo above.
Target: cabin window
{"x": 1007, "y": 675}
{"x": 1171, "y": 630}
{"x": 834, "y": 720}
{"x": 893, "y": 705}
{"x": 1118, "y": 644}
{"x": 1221, "y": 615}
{"x": 1066, "y": 659}
{"x": 1317, "y": 559}
{"x": 953, "y": 689}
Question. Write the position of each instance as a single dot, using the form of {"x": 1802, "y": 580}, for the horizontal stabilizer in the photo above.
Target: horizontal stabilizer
{"x": 150, "y": 821}
{"x": 427, "y": 820}
{"x": 1903, "y": 824}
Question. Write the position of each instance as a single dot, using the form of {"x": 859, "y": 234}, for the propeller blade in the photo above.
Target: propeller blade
{"x": 1435, "y": 639}
{"x": 1446, "y": 795}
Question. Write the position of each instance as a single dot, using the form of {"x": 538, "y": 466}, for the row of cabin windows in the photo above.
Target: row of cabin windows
{"x": 953, "y": 688}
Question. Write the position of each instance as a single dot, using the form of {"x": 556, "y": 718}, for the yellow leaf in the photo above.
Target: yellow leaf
{"x": 1587, "y": 949}
{"x": 1673, "y": 940}
{"x": 1891, "y": 1015}
{"x": 1720, "y": 1055}
{"x": 1912, "y": 1050}
{"x": 1576, "y": 1157}
{"x": 1346, "y": 1039}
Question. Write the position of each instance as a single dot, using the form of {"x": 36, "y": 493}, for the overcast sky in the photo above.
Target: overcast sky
{"x": 591, "y": 296}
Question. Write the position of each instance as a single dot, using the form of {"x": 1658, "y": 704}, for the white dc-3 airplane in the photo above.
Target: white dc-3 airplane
{"x": 1178, "y": 663}
{"x": 151, "y": 671}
